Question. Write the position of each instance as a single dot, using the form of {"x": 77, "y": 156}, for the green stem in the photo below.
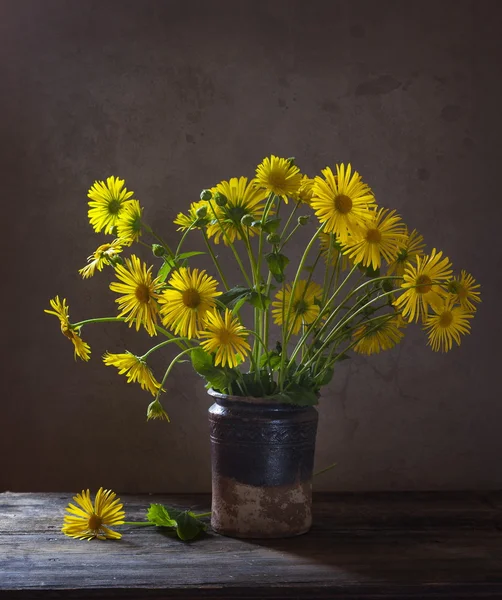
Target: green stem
{"x": 230, "y": 244}
{"x": 215, "y": 260}
{"x": 325, "y": 469}
{"x": 202, "y": 515}
{"x": 159, "y": 239}
{"x": 285, "y": 323}
{"x": 341, "y": 324}
{"x": 170, "y": 367}
{"x": 164, "y": 343}
{"x": 289, "y": 221}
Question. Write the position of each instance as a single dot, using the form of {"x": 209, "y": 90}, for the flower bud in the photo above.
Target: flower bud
{"x": 273, "y": 238}
{"x": 303, "y": 219}
{"x": 206, "y": 195}
{"x": 158, "y": 250}
{"x": 247, "y": 220}
{"x": 220, "y": 199}
{"x": 201, "y": 212}
{"x": 116, "y": 260}
{"x": 256, "y": 224}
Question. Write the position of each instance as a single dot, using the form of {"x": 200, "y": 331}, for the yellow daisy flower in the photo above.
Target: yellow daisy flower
{"x": 412, "y": 247}
{"x": 306, "y": 190}
{"x": 101, "y": 257}
{"x": 423, "y": 285}
{"x": 87, "y": 521}
{"x": 184, "y": 306}
{"x": 465, "y": 290}
{"x": 135, "y": 369}
{"x": 278, "y": 176}
{"x": 303, "y": 309}
{"x": 190, "y": 219}
{"x": 331, "y": 251}
{"x": 156, "y": 411}
{"x": 342, "y": 201}
{"x": 376, "y": 238}
{"x": 226, "y": 337}
{"x": 107, "y": 203}
{"x": 446, "y": 325}
{"x": 61, "y": 311}
{"x": 242, "y": 199}
{"x": 140, "y": 291}
{"x": 374, "y": 337}
{"x": 129, "y": 223}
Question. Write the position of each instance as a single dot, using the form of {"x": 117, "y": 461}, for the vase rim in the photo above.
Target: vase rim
{"x": 257, "y": 400}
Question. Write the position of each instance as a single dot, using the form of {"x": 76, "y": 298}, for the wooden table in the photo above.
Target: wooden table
{"x": 382, "y": 545}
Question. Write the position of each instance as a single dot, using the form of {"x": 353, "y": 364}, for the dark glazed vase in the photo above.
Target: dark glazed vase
{"x": 262, "y": 455}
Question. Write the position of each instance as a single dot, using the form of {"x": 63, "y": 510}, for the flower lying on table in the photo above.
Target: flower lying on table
{"x": 90, "y": 521}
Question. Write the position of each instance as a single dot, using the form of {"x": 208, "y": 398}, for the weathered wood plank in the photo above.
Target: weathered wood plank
{"x": 361, "y": 545}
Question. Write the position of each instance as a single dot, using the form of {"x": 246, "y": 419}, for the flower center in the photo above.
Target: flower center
{"x": 113, "y": 207}
{"x": 300, "y": 307}
{"x": 236, "y": 213}
{"x": 95, "y": 522}
{"x": 224, "y": 337}
{"x": 191, "y": 298}
{"x": 276, "y": 179}
{"x": 343, "y": 204}
{"x": 373, "y": 236}
{"x": 445, "y": 319}
{"x": 143, "y": 293}
{"x": 424, "y": 284}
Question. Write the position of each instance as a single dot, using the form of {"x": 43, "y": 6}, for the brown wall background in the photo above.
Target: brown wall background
{"x": 174, "y": 96}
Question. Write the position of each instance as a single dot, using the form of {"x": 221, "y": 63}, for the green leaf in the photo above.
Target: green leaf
{"x": 158, "y": 515}
{"x": 189, "y": 254}
{"x": 233, "y": 295}
{"x": 277, "y": 262}
{"x": 272, "y": 358}
{"x": 184, "y": 522}
{"x": 299, "y": 395}
{"x": 165, "y": 269}
{"x": 271, "y": 225}
{"x": 216, "y": 377}
{"x": 189, "y": 526}
{"x": 326, "y": 377}
{"x": 258, "y": 300}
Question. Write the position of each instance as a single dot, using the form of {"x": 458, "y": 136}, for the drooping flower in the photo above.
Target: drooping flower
{"x": 129, "y": 223}
{"x": 377, "y": 238}
{"x": 107, "y": 202}
{"x": 135, "y": 369}
{"x": 342, "y": 201}
{"x": 423, "y": 283}
{"x": 407, "y": 253}
{"x": 446, "y": 325}
{"x": 279, "y": 176}
{"x": 465, "y": 290}
{"x": 156, "y": 412}
{"x": 301, "y": 305}
{"x": 374, "y": 337}
{"x": 61, "y": 311}
{"x": 186, "y": 303}
{"x": 242, "y": 199}
{"x": 191, "y": 219}
{"x": 140, "y": 292}
{"x": 87, "y": 521}
{"x": 102, "y": 256}
{"x": 226, "y": 338}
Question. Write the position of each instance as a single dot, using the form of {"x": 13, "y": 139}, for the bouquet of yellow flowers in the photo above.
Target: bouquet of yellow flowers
{"x": 362, "y": 278}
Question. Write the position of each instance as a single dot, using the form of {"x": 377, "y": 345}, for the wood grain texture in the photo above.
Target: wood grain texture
{"x": 383, "y": 545}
